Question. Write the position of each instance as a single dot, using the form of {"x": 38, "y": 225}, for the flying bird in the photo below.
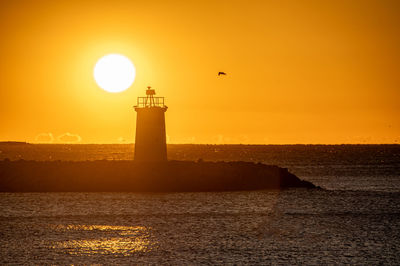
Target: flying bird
{"x": 221, "y": 73}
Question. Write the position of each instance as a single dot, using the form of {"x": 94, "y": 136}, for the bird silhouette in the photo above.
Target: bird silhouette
{"x": 221, "y": 73}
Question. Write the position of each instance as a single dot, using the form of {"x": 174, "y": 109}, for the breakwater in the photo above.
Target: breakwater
{"x": 130, "y": 176}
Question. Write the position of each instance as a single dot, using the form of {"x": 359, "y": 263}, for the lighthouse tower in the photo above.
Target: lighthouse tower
{"x": 150, "y": 140}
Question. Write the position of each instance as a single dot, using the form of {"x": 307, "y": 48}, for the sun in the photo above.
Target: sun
{"x": 114, "y": 73}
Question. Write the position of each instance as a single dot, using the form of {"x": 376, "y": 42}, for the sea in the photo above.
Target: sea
{"x": 353, "y": 219}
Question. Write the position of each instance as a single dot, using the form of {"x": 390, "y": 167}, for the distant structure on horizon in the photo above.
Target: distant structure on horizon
{"x": 150, "y": 139}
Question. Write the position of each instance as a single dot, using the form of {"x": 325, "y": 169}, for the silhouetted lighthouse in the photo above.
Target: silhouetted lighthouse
{"x": 150, "y": 140}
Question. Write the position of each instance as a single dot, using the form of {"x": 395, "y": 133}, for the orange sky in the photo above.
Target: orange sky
{"x": 298, "y": 71}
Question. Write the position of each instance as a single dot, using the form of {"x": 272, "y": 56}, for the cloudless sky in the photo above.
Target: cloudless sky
{"x": 298, "y": 71}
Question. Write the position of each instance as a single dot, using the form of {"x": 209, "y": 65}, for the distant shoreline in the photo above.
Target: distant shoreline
{"x": 15, "y": 143}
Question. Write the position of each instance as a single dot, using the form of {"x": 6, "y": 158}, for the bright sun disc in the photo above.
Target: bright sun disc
{"x": 114, "y": 73}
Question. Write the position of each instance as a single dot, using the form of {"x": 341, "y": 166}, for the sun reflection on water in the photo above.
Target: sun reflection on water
{"x": 105, "y": 239}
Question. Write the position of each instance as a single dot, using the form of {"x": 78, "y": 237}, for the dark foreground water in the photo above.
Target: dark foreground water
{"x": 355, "y": 220}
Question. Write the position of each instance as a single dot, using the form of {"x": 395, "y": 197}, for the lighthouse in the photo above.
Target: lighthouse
{"x": 150, "y": 140}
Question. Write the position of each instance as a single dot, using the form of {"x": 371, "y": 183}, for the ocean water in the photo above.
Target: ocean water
{"x": 355, "y": 219}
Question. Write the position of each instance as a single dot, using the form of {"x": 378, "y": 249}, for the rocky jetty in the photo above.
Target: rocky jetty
{"x": 130, "y": 176}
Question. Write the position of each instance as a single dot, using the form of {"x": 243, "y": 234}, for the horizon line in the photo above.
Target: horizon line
{"x": 220, "y": 144}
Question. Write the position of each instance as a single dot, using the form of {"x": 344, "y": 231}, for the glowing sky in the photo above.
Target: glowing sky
{"x": 298, "y": 71}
